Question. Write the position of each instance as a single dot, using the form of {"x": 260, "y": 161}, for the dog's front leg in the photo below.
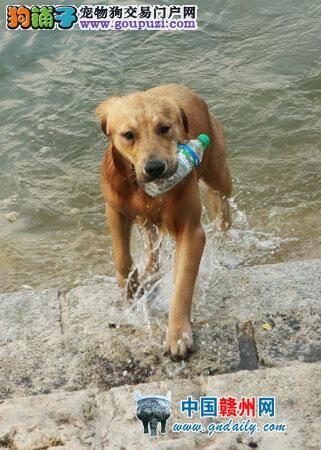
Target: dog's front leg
{"x": 120, "y": 229}
{"x": 190, "y": 241}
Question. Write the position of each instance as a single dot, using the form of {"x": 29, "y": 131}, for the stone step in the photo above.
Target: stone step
{"x": 253, "y": 317}
{"x": 247, "y": 292}
{"x": 101, "y": 420}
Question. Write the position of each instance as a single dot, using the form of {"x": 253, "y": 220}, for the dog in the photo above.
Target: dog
{"x": 144, "y": 129}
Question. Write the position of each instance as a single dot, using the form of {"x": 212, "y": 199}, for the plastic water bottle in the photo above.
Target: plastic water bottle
{"x": 189, "y": 155}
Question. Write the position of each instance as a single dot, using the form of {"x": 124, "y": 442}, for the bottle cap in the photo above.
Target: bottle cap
{"x": 205, "y": 140}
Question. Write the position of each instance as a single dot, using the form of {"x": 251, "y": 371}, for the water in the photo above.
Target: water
{"x": 258, "y": 66}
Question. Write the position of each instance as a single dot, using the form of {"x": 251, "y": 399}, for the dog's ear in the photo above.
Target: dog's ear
{"x": 102, "y": 113}
{"x": 184, "y": 119}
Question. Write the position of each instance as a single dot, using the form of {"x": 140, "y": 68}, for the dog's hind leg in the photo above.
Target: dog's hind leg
{"x": 220, "y": 209}
{"x": 218, "y": 179}
{"x": 153, "y": 247}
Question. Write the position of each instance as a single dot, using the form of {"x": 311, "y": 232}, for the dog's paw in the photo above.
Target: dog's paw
{"x": 179, "y": 342}
{"x": 132, "y": 284}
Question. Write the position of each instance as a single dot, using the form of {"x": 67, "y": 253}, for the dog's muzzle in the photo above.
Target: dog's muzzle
{"x": 155, "y": 168}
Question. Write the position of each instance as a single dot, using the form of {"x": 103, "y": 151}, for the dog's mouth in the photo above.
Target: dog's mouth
{"x": 157, "y": 178}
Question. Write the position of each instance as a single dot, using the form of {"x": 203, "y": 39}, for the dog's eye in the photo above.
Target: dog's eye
{"x": 163, "y": 129}
{"x": 129, "y": 135}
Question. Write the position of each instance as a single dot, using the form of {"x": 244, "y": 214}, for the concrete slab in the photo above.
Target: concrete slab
{"x": 92, "y": 419}
{"x": 56, "y": 421}
{"x": 111, "y": 358}
{"x": 30, "y": 367}
{"x": 297, "y": 390}
{"x": 284, "y": 337}
{"x": 94, "y": 308}
{"x": 29, "y": 315}
{"x": 130, "y": 355}
{"x": 248, "y": 292}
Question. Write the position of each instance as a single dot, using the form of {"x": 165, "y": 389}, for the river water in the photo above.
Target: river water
{"x": 258, "y": 66}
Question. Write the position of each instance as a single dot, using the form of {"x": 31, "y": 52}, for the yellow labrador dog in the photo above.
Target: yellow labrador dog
{"x": 144, "y": 129}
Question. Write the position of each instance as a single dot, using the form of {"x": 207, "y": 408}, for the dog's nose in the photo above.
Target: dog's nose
{"x": 155, "y": 168}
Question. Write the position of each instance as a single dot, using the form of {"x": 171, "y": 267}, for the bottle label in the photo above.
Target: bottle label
{"x": 186, "y": 150}
{"x": 186, "y": 160}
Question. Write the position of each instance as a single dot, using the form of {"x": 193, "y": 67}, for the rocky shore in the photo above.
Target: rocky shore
{"x": 71, "y": 361}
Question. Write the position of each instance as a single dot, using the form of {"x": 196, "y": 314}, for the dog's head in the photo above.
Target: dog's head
{"x": 144, "y": 130}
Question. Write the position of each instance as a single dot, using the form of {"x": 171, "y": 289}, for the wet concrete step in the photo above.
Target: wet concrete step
{"x": 254, "y": 317}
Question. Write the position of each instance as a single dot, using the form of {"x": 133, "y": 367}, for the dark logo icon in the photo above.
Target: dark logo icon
{"x": 153, "y": 409}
